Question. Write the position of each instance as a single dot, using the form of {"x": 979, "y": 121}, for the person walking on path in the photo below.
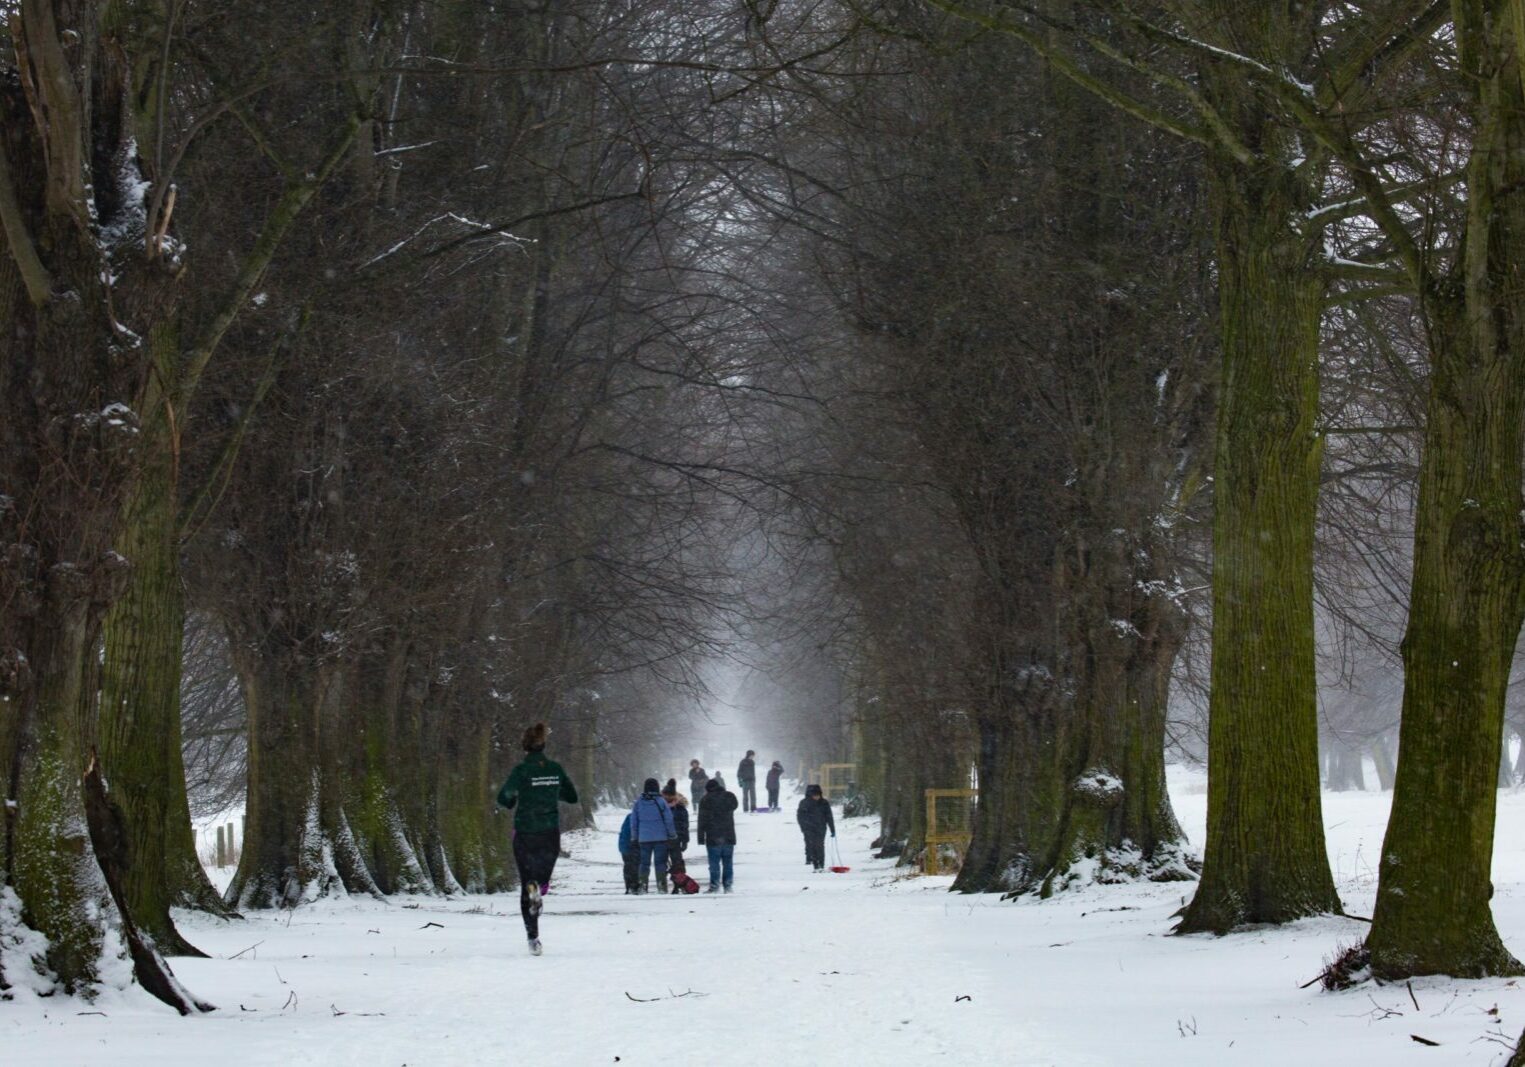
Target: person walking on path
{"x": 815, "y": 819}
{"x": 532, "y": 792}
{"x": 653, "y": 829}
{"x": 717, "y": 833}
{"x": 746, "y": 777}
{"x": 696, "y": 780}
{"x": 775, "y": 777}
{"x": 679, "y": 805}
{"x": 630, "y": 855}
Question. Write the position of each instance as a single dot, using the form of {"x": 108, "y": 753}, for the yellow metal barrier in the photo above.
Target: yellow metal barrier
{"x": 835, "y": 779}
{"x": 948, "y": 823}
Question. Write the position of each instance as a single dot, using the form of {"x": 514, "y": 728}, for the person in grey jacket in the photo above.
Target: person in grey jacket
{"x": 746, "y": 777}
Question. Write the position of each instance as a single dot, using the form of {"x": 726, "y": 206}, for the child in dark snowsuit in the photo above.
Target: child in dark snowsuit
{"x": 630, "y": 854}
{"x": 775, "y": 775}
{"x": 815, "y": 819}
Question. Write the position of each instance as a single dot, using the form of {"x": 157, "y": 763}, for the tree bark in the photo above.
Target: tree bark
{"x": 1467, "y": 596}
{"x": 298, "y": 846}
{"x": 70, "y": 369}
{"x": 1382, "y": 756}
{"x": 1265, "y": 859}
{"x": 140, "y": 701}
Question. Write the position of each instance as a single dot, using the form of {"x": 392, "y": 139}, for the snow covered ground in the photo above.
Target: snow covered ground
{"x": 868, "y": 967}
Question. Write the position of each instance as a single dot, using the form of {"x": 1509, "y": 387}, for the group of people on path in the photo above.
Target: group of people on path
{"x": 655, "y": 833}
{"x": 746, "y": 779}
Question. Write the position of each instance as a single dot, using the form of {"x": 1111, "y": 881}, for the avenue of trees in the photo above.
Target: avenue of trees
{"x": 1022, "y": 390}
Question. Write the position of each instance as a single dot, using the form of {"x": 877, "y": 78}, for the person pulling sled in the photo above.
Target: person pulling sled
{"x": 814, "y": 817}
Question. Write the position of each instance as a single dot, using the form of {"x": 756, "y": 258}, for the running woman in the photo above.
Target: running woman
{"x": 533, "y": 788}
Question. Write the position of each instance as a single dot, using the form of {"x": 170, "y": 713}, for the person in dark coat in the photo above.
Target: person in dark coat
{"x": 679, "y": 805}
{"x": 815, "y": 819}
{"x": 717, "y": 833}
{"x": 746, "y": 777}
{"x": 630, "y": 856}
{"x": 653, "y": 829}
{"x": 775, "y": 778}
{"x": 532, "y": 792}
{"x": 696, "y": 781}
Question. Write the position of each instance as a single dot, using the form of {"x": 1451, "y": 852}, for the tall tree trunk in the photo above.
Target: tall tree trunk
{"x": 298, "y": 846}
{"x": 49, "y": 863}
{"x": 1468, "y": 589}
{"x": 1080, "y": 783}
{"x": 70, "y": 369}
{"x": 140, "y": 702}
{"x": 1265, "y": 859}
{"x": 1382, "y": 756}
{"x": 385, "y": 829}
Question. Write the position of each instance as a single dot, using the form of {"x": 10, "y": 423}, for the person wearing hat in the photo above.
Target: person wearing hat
{"x": 532, "y": 792}
{"x": 654, "y": 831}
{"x": 717, "y": 833}
{"x": 746, "y": 777}
{"x": 696, "y": 779}
{"x": 676, "y": 801}
{"x": 775, "y": 778}
{"x": 814, "y": 816}
{"x": 679, "y": 805}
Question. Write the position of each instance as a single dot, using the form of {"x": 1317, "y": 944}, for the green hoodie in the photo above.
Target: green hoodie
{"x": 534, "y": 787}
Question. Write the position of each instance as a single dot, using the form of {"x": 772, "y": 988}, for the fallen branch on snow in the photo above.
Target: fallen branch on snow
{"x": 670, "y": 996}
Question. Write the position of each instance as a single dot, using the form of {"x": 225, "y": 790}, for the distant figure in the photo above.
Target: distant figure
{"x": 746, "y": 777}
{"x": 717, "y": 833}
{"x": 653, "y": 830}
{"x": 532, "y": 791}
{"x": 815, "y": 819}
{"x": 630, "y": 855}
{"x": 696, "y": 780}
{"x": 775, "y": 776}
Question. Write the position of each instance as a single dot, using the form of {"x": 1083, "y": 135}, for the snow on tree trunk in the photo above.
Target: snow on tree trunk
{"x": 78, "y": 296}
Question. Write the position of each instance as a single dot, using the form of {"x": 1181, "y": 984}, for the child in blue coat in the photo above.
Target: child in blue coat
{"x": 631, "y": 855}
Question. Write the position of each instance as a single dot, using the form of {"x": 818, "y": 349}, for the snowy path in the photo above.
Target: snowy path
{"x": 863, "y": 968}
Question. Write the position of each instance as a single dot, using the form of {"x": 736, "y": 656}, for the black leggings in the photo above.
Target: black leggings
{"x": 535, "y": 854}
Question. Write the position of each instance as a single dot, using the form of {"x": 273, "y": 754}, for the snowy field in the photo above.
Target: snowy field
{"x": 866, "y": 968}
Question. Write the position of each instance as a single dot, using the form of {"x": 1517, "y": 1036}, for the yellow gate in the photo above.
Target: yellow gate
{"x": 835, "y": 779}
{"x": 950, "y": 821}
